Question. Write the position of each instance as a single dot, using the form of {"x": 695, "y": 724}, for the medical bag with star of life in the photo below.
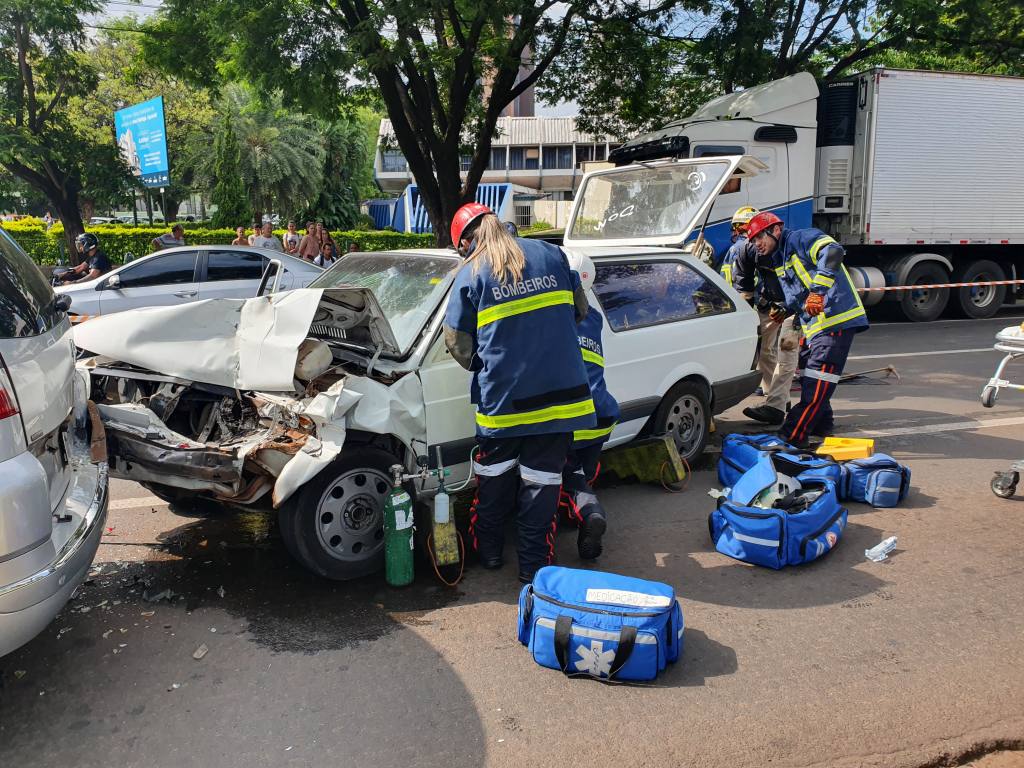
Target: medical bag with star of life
{"x": 772, "y": 519}
{"x": 601, "y": 625}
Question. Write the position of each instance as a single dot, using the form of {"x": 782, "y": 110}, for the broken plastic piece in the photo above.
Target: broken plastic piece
{"x": 881, "y": 551}
{"x": 201, "y": 651}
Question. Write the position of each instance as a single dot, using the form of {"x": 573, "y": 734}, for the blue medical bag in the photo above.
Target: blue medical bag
{"x": 602, "y": 625}
{"x": 799, "y": 527}
{"x": 879, "y": 480}
{"x": 741, "y": 452}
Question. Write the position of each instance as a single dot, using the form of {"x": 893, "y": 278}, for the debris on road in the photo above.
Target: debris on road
{"x": 221, "y": 591}
{"x": 174, "y": 686}
{"x": 19, "y": 673}
{"x": 166, "y": 594}
{"x": 201, "y": 651}
{"x": 881, "y": 551}
{"x": 107, "y": 634}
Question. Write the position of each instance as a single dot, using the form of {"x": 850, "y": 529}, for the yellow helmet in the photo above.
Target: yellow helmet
{"x": 742, "y": 217}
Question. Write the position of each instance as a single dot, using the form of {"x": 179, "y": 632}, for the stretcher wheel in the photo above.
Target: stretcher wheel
{"x": 988, "y": 396}
{"x": 1004, "y": 484}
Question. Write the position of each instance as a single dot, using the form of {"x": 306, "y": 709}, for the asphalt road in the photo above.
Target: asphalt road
{"x": 915, "y": 661}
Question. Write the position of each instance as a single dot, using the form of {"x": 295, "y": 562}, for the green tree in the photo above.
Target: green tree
{"x": 42, "y": 68}
{"x": 444, "y": 71}
{"x": 347, "y": 162}
{"x": 637, "y": 74}
{"x": 229, "y": 194}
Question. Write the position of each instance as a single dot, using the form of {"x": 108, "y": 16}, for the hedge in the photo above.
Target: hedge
{"x": 116, "y": 240}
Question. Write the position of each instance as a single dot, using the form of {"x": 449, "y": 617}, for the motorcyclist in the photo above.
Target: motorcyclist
{"x": 94, "y": 261}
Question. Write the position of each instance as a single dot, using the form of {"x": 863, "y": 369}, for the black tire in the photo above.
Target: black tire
{"x": 978, "y": 303}
{"x": 1004, "y": 484}
{"x": 685, "y": 414}
{"x": 334, "y": 524}
{"x": 925, "y": 305}
{"x": 988, "y": 396}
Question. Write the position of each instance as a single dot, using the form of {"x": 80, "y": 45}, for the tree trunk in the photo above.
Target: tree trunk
{"x": 68, "y": 213}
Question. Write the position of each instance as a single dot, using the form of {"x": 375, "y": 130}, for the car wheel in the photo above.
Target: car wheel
{"x": 334, "y": 524}
{"x": 685, "y": 415}
{"x": 982, "y": 301}
{"x": 922, "y": 305}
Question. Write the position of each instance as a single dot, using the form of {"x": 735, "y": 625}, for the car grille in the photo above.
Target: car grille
{"x": 327, "y": 331}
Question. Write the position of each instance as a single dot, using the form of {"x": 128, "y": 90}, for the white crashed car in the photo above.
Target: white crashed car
{"x": 302, "y": 400}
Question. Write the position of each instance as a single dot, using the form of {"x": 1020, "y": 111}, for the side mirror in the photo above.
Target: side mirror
{"x": 113, "y": 282}
{"x": 62, "y": 302}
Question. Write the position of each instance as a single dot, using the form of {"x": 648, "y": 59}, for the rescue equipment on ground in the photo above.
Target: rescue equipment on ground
{"x": 398, "y": 532}
{"x": 843, "y": 448}
{"x": 878, "y": 480}
{"x": 741, "y": 452}
{"x": 1011, "y": 341}
{"x": 444, "y": 543}
{"x": 600, "y": 625}
{"x": 796, "y": 528}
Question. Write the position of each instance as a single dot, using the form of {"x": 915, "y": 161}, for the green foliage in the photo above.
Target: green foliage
{"x": 116, "y": 241}
{"x": 345, "y": 159}
{"x": 229, "y": 193}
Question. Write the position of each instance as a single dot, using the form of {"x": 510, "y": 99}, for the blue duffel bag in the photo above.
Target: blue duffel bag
{"x": 601, "y": 625}
{"x": 741, "y": 452}
{"x": 879, "y": 480}
{"x": 798, "y": 527}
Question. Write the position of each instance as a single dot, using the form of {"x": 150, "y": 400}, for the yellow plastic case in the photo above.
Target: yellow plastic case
{"x": 844, "y": 448}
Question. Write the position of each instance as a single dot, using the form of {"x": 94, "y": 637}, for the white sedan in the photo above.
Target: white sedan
{"x": 307, "y": 397}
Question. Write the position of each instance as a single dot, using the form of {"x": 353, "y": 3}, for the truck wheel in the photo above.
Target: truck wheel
{"x": 925, "y": 304}
{"x": 983, "y": 301}
{"x": 685, "y": 414}
{"x": 334, "y": 524}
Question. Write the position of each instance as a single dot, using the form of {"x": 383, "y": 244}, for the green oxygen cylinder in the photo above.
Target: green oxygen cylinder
{"x": 398, "y": 533}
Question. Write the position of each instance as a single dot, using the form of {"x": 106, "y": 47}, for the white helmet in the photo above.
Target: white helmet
{"x": 584, "y": 266}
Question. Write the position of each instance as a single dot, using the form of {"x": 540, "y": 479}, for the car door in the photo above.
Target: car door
{"x": 231, "y": 274}
{"x": 450, "y": 416}
{"x": 666, "y": 318}
{"x": 161, "y": 280}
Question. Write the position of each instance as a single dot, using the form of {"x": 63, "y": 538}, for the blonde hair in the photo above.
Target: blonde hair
{"x": 503, "y": 254}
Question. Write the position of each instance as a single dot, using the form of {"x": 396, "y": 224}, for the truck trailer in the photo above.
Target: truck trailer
{"x": 920, "y": 175}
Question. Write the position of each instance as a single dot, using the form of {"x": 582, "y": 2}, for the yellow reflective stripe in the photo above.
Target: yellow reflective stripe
{"x": 591, "y": 434}
{"x": 727, "y": 273}
{"x": 818, "y": 244}
{"x": 552, "y": 413}
{"x": 780, "y": 271}
{"x": 824, "y": 280}
{"x": 519, "y": 306}
{"x": 821, "y": 322}
{"x": 592, "y": 357}
{"x": 798, "y": 267}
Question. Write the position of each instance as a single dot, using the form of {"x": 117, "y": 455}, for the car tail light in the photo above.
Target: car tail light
{"x": 8, "y": 405}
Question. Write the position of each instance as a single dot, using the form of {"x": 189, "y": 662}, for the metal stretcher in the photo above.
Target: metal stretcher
{"x": 1011, "y": 342}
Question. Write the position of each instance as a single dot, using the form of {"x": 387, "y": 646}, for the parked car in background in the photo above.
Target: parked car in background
{"x": 103, "y": 220}
{"x": 183, "y": 275}
{"x": 362, "y": 380}
{"x": 53, "y": 487}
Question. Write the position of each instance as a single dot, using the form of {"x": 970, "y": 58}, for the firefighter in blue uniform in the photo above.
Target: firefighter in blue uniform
{"x": 584, "y": 460}
{"x": 511, "y": 320}
{"x": 818, "y": 289}
{"x": 740, "y": 250}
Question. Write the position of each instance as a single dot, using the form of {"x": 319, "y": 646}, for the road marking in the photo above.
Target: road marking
{"x": 951, "y": 426}
{"x": 922, "y": 354}
{"x": 138, "y": 501}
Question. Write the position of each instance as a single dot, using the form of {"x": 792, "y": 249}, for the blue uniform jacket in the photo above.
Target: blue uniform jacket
{"x": 528, "y": 374}
{"x": 606, "y": 407}
{"x": 809, "y": 260}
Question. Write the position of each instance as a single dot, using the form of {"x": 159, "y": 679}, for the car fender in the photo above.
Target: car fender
{"x": 691, "y": 369}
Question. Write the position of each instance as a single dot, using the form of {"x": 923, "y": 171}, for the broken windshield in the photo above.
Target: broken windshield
{"x": 408, "y": 286}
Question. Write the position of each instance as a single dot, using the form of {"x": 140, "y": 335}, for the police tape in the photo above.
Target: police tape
{"x": 923, "y": 286}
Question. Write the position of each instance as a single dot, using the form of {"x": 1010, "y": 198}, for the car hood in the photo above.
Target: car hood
{"x": 244, "y": 344}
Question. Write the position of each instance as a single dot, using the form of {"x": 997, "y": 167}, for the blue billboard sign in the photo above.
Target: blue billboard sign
{"x": 142, "y": 140}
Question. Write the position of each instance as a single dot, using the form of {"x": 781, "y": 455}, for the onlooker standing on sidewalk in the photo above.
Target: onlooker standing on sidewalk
{"x": 267, "y": 239}
{"x": 291, "y": 239}
{"x": 256, "y": 227}
{"x": 353, "y": 247}
{"x": 170, "y": 239}
{"x": 326, "y": 257}
{"x": 240, "y": 238}
{"x": 309, "y": 246}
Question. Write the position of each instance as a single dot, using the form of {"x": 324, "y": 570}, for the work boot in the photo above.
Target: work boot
{"x": 491, "y": 563}
{"x": 588, "y": 542}
{"x": 765, "y": 414}
{"x": 823, "y": 430}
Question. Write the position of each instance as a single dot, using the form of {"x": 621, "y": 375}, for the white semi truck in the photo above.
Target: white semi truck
{"x": 920, "y": 175}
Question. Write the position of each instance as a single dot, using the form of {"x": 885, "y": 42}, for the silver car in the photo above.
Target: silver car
{"x": 183, "y": 275}
{"x": 53, "y": 469}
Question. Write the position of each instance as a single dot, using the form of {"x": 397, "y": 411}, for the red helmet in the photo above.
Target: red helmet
{"x": 760, "y": 223}
{"x": 465, "y": 216}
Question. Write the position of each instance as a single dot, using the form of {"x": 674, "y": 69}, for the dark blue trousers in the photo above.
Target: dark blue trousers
{"x": 822, "y": 360}
{"x": 522, "y": 473}
{"x": 580, "y": 469}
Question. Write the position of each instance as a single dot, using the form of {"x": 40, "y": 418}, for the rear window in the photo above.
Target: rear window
{"x": 26, "y": 299}
{"x": 233, "y": 265}
{"x": 645, "y": 293}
